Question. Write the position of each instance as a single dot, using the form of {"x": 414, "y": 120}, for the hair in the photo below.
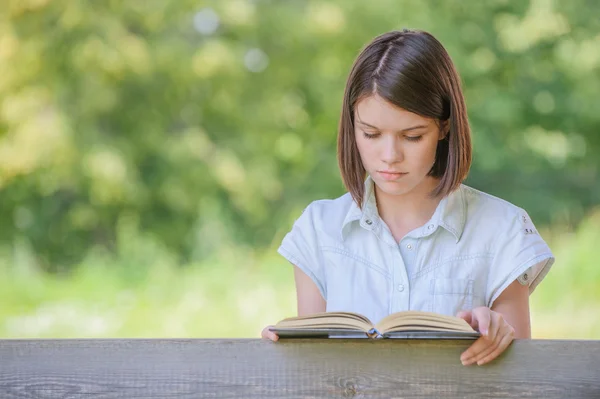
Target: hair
{"x": 411, "y": 70}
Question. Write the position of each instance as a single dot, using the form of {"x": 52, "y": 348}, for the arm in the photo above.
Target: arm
{"x": 301, "y": 247}
{"x": 508, "y": 318}
{"x": 309, "y": 298}
{"x": 513, "y": 305}
{"x": 509, "y": 300}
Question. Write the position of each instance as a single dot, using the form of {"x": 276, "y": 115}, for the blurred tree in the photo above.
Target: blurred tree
{"x": 206, "y": 124}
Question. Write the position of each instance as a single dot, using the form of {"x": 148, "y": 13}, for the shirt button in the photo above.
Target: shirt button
{"x": 400, "y": 287}
{"x": 369, "y": 222}
{"x": 430, "y": 227}
{"x": 408, "y": 246}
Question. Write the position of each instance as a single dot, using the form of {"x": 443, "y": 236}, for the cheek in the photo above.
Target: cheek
{"x": 364, "y": 149}
{"x": 428, "y": 150}
{"x": 421, "y": 157}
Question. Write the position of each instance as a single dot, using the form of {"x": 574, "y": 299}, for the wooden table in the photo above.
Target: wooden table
{"x": 252, "y": 368}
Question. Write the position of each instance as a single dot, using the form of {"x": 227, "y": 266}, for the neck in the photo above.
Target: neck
{"x": 410, "y": 210}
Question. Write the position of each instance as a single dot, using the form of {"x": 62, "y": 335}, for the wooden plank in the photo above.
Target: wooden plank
{"x": 158, "y": 368}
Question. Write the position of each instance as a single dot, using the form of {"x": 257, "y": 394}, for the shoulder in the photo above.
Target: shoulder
{"x": 492, "y": 210}
{"x": 326, "y": 214}
{"x": 506, "y": 230}
{"x": 492, "y": 219}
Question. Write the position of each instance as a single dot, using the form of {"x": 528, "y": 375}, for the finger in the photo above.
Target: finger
{"x": 265, "y": 331}
{"x": 504, "y": 343}
{"x": 481, "y": 322}
{"x": 498, "y": 326}
{"x": 267, "y": 334}
{"x": 486, "y": 352}
{"x": 482, "y": 316}
{"x": 490, "y": 342}
{"x": 481, "y": 344}
{"x": 465, "y": 315}
{"x": 495, "y": 324}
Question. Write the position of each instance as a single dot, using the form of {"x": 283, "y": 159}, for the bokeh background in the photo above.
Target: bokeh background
{"x": 154, "y": 153}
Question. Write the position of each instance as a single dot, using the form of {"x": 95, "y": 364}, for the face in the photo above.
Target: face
{"x": 397, "y": 147}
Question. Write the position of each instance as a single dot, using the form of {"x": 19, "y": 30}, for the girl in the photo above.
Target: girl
{"x": 409, "y": 235}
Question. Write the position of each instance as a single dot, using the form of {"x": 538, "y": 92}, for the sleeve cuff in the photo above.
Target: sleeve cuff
{"x": 526, "y": 274}
{"x": 294, "y": 260}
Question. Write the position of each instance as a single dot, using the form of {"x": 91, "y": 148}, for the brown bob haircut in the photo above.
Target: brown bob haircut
{"x": 411, "y": 70}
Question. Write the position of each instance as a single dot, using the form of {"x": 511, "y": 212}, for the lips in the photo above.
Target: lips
{"x": 391, "y": 175}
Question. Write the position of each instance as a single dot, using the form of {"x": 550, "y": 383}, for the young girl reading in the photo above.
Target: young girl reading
{"x": 409, "y": 235}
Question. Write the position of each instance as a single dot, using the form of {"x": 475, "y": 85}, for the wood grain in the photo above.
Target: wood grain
{"x": 178, "y": 368}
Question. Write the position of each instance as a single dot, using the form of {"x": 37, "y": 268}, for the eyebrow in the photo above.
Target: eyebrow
{"x": 403, "y": 130}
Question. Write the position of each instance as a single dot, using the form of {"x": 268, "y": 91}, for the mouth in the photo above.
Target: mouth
{"x": 391, "y": 175}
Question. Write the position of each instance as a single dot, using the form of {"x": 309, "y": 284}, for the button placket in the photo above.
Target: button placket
{"x": 401, "y": 297}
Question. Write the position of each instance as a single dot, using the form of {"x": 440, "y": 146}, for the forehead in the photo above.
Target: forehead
{"x": 378, "y": 112}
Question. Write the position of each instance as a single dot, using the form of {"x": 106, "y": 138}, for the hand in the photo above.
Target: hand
{"x": 496, "y": 335}
{"x": 266, "y": 334}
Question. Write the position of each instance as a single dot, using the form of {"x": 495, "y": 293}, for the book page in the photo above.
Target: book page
{"x": 324, "y": 320}
{"x": 422, "y": 321}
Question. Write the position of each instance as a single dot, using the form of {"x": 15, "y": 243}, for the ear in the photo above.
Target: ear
{"x": 444, "y": 129}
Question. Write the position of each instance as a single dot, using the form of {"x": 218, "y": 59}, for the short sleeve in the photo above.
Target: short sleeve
{"x": 300, "y": 247}
{"x": 521, "y": 255}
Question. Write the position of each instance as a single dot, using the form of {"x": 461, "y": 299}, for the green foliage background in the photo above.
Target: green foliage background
{"x": 141, "y": 140}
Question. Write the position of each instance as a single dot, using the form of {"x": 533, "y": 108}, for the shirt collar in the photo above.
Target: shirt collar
{"x": 450, "y": 213}
{"x": 367, "y": 216}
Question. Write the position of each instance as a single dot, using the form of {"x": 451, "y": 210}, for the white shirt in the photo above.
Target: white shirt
{"x": 471, "y": 249}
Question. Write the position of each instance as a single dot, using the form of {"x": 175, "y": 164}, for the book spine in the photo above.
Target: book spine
{"x": 374, "y": 333}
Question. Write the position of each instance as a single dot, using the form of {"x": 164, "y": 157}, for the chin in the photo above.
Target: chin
{"x": 395, "y": 188}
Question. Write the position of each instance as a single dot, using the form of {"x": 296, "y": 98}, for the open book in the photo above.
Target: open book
{"x": 408, "y": 324}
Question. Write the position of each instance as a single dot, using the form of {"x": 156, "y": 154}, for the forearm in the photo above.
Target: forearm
{"x": 513, "y": 305}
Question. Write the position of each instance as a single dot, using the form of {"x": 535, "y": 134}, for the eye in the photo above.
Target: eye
{"x": 370, "y": 136}
{"x": 414, "y": 138}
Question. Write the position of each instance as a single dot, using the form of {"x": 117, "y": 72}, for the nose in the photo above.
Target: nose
{"x": 391, "y": 150}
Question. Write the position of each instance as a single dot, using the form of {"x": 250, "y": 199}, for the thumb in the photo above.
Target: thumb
{"x": 465, "y": 315}
{"x": 266, "y": 333}
{"x": 481, "y": 320}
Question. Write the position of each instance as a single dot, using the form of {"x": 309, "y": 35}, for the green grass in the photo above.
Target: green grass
{"x": 566, "y": 304}
{"x": 227, "y": 299}
{"x": 141, "y": 293}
